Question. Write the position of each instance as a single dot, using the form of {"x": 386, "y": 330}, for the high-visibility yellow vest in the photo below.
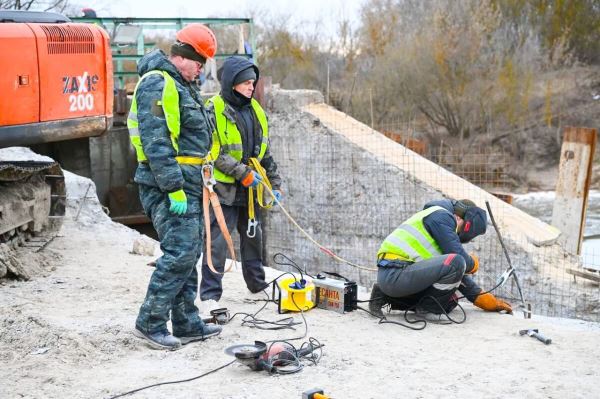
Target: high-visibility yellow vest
{"x": 170, "y": 106}
{"x": 411, "y": 241}
{"x": 227, "y": 137}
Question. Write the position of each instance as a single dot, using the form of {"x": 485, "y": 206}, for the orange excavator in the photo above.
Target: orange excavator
{"x": 56, "y": 84}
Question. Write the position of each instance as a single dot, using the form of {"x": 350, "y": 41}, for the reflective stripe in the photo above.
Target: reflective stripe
{"x": 262, "y": 120}
{"x": 404, "y": 246}
{"x": 185, "y": 160}
{"x": 132, "y": 116}
{"x": 419, "y": 237}
{"x": 446, "y": 287}
{"x": 134, "y": 131}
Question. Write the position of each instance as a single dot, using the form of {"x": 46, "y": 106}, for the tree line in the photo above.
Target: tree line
{"x": 449, "y": 68}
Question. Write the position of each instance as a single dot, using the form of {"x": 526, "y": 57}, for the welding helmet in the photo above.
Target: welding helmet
{"x": 475, "y": 219}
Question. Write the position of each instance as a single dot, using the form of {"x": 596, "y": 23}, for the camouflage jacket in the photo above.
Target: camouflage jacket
{"x": 195, "y": 139}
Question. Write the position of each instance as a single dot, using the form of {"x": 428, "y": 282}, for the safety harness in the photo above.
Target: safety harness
{"x": 210, "y": 196}
{"x": 254, "y": 163}
{"x": 170, "y": 105}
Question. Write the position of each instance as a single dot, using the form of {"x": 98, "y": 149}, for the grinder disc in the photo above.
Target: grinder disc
{"x": 247, "y": 351}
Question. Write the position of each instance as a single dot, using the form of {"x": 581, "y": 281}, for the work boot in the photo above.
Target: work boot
{"x": 159, "y": 340}
{"x": 377, "y": 301}
{"x": 204, "y": 332}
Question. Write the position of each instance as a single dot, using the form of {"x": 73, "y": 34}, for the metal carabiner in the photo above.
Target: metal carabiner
{"x": 252, "y": 225}
{"x": 208, "y": 176}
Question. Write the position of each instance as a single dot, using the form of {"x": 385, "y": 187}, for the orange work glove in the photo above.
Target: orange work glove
{"x": 490, "y": 303}
{"x": 475, "y": 264}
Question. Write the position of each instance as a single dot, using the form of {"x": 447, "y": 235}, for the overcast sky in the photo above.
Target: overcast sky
{"x": 329, "y": 12}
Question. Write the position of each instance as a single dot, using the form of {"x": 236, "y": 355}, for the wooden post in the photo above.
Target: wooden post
{"x": 371, "y": 101}
{"x": 327, "y": 83}
{"x": 572, "y": 187}
{"x": 262, "y": 91}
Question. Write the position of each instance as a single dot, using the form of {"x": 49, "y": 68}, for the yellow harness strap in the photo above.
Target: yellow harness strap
{"x": 260, "y": 193}
{"x": 186, "y": 160}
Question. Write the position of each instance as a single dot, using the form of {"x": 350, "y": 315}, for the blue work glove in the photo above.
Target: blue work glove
{"x": 178, "y": 202}
{"x": 278, "y": 195}
{"x": 252, "y": 179}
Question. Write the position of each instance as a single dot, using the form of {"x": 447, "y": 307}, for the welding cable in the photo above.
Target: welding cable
{"x": 444, "y": 312}
{"x": 282, "y": 365}
{"x": 279, "y": 363}
{"x": 303, "y": 319}
{"x": 499, "y": 284}
{"x": 291, "y": 263}
{"x": 296, "y": 323}
{"x": 384, "y": 320}
{"x": 173, "y": 382}
{"x": 324, "y": 249}
{"x": 314, "y": 344}
{"x": 250, "y": 320}
{"x": 294, "y": 364}
{"x": 295, "y": 360}
{"x": 483, "y": 292}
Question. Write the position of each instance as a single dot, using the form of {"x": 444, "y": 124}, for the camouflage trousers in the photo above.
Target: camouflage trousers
{"x": 174, "y": 283}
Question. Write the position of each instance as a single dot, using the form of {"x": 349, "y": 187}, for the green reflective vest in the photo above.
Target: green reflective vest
{"x": 170, "y": 106}
{"x": 227, "y": 137}
{"x": 411, "y": 241}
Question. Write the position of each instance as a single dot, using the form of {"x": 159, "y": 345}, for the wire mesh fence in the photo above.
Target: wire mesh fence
{"x": 349, "y": 186}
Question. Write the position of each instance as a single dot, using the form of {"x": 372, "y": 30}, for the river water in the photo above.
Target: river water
{"x": 539, "y": 205}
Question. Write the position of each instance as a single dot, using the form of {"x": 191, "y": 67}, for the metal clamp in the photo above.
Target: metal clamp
{"x": 504, "y": 277}
{"x": 252, "y": 225}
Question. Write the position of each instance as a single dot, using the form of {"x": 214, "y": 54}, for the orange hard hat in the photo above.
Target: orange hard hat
{"x": 201, "y": 38}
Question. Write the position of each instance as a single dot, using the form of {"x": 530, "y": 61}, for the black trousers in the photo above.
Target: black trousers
{"x": 236, "y": 217}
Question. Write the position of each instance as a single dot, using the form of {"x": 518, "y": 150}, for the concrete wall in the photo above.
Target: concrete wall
{"x": 349, "y": 195}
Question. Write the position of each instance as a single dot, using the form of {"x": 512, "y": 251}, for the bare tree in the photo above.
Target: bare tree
{"x": 34, "y": 5}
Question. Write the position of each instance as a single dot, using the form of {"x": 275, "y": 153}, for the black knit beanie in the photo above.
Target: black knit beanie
{"x": 246, "y": 74}
{"x": 186, "y": 51}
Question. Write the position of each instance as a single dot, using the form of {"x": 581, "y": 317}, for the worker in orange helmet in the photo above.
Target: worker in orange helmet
{"x": 171, "y": 133}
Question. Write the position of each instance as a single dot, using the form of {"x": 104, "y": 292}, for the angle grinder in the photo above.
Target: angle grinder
{"x": 274, "y": 358}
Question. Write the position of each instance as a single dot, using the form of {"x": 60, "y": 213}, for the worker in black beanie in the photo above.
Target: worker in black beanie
{"x": 242, "y": 162}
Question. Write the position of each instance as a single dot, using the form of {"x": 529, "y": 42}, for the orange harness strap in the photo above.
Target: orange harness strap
{"x": 209, "y": 195}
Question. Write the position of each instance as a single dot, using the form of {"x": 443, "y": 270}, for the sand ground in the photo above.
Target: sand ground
{"x": 68, "y": 333}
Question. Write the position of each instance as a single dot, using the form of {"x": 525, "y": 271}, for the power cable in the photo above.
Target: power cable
{"x": 172, "y": 382}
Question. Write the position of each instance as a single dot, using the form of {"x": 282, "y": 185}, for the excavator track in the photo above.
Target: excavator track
{"x": 32, "y": 201}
